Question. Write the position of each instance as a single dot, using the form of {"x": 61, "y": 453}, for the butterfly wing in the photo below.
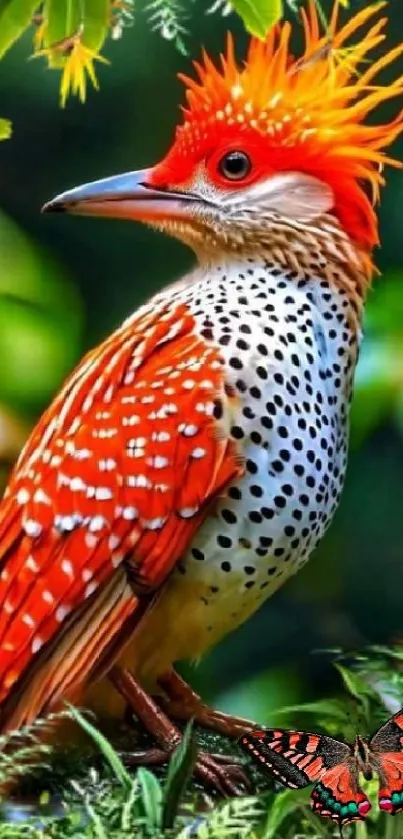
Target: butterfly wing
{"x": 297, "y": 759}
{"x": 338, "y": 795}
{"x": 386, "y": 748}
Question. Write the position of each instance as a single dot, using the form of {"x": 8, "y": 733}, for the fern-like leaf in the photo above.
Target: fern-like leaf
{"x": 169, "y": 18}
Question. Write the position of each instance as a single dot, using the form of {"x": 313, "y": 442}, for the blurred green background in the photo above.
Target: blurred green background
{"x": 66, "y": 282}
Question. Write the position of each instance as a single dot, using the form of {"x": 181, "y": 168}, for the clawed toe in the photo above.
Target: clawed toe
{"x": 233, "y": 760}
{"x": 145, "y": 757}
{"x": 223, "y": 773}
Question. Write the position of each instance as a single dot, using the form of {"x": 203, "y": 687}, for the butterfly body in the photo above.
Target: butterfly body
{"x": 298, "y": 758}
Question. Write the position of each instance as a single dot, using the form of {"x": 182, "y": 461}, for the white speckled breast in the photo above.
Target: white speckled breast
{"x": 290, "y": 359}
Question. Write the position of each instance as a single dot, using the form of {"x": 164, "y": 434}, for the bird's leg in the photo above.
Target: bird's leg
{"x": 182, "y": 703}
{"x": 219, "y": 772}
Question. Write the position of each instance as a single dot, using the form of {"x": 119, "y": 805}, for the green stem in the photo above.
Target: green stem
{"x": 361, "y": 831}
{"x": 390, "y": 829}
{"x": 323, "y": 19}
{"x": 69, "y": 18}
{"x": 74, "y": 16}
{"x": 81, "y": 6}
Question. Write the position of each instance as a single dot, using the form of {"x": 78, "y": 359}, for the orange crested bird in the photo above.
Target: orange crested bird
{"x": 193, "y": 460}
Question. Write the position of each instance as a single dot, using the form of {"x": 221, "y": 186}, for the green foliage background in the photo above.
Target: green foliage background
{"x": 66, "y": 282}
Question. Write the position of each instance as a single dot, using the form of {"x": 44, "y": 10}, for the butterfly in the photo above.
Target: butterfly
{"x": 298, "y": 758}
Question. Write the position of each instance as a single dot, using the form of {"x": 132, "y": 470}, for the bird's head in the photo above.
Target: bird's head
{"x": 280, "y": 144}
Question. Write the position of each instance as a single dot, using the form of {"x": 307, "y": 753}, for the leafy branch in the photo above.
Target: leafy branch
{"x": 71, "y": 34}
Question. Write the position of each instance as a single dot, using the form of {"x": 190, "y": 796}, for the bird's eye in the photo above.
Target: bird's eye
{"x": 235, "y": 165}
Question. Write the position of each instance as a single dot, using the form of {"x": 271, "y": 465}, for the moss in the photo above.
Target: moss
{"x": 76, "y": 787}
{"x": 78, "y": 762}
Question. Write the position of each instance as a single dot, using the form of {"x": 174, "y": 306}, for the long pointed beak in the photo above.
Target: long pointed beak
{"x": 126, "y": 196}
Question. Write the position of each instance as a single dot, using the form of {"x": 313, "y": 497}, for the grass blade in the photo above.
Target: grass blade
{"x": 151, "y": 798}
{"x": 105, "y": 747}
{"x": 179, "y": 773}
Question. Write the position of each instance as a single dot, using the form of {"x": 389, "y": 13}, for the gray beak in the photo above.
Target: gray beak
{"x": 126, "y": 196}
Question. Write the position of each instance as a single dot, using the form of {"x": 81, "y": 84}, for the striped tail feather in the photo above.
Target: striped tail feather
{"x": 60, "y": 670}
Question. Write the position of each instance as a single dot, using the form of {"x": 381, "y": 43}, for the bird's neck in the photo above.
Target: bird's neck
{"x": 340, "y": 273}
{"x": 301, "y": 252}
{"x": 322, "y": 249}
{"x": 271, "y": 287}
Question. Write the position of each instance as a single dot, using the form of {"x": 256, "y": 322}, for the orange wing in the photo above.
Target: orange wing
{"x": 120, "y": 469}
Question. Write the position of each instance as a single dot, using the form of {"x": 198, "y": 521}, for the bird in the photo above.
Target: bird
{"x": 194, "y": 459}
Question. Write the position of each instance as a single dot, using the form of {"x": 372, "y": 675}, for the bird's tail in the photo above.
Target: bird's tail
{"x": 91, "y": 638}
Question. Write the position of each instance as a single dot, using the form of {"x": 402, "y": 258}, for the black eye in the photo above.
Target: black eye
{"x": 235, "y": 165}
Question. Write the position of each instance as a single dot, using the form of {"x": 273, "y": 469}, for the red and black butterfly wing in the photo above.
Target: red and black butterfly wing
{"x": 338, "y": 796}
{"x": 297, "y": 759}
{"x": 294, "y": 757}
{"x": 386, "y": 747}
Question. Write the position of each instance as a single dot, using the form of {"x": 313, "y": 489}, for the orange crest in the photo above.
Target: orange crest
{"x": 290, "y": 114}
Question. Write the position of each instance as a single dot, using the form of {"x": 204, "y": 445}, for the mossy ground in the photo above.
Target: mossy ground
{"x": 85, "y": 791}
{"x": 77, "y": 761}
{"x": 52, "y": 800}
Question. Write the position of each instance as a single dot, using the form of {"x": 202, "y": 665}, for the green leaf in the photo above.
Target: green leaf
{"x": 179, "y": 773}
{"x": 151, "y": 797}
{"x": 284, "y": 804}
{"x": 96, "y": 20}
{"x": 104, "y": 746}
{"x": 62, "y": 19}
{"x": 386, "y": 652}
{"x": 323, "y": 709}
{"x": 259, "y": 15}
{"x": 354, "y": 684}
{"x": 65, "y": 17}
{"x": 358, "y": 688}
{"x": 15, "y": 17}
{"x": 5, "y": 129}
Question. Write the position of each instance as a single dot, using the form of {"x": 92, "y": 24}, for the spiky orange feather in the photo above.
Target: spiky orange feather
{"x": 298, "y": 114}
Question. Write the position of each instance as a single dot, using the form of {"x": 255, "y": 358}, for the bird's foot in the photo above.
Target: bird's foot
{"x": 222, "y": 773}
{"x": 182, "y": 703}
